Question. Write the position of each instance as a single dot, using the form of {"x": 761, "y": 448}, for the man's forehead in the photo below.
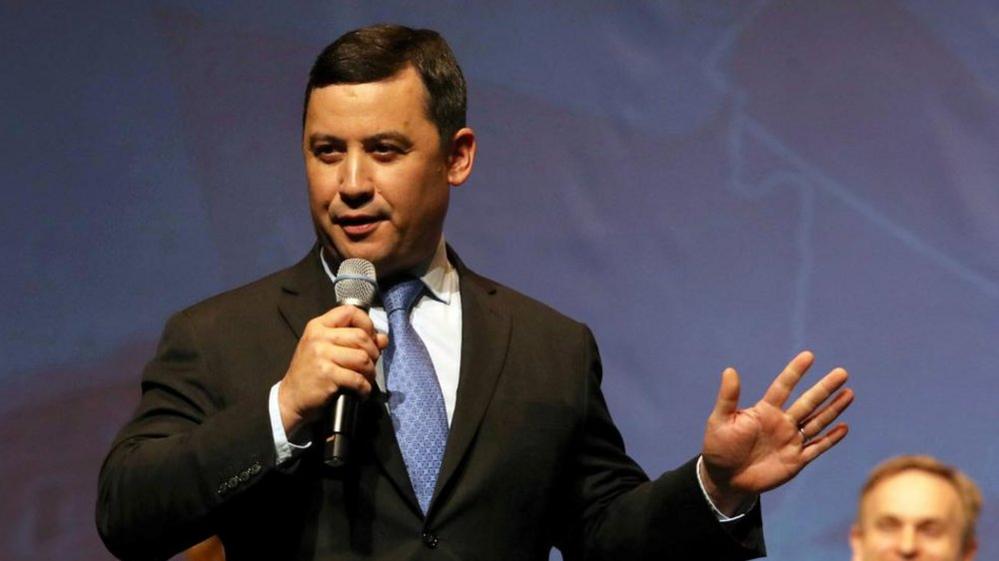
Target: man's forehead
{"x": 406, "y": 83}
{"x": 913, "y": 494}
{"x": 398, "y": 102}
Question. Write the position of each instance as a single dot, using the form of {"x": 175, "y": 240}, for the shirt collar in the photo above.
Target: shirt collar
{"x": 440, "y": 278}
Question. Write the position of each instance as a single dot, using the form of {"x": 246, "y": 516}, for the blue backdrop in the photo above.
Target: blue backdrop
{"x": 704, "y": 183}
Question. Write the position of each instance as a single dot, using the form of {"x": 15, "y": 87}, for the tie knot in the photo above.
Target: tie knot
{"x": 402, "y": 295}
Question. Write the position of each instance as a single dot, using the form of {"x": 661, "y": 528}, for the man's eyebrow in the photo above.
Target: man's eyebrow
{"x": 392, "y": 136}
{"x": 317, "y": 137}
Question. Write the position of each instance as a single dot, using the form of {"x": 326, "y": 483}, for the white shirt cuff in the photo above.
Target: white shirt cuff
{"x": 719, "y": 514}
{"x": 284, "y": 448}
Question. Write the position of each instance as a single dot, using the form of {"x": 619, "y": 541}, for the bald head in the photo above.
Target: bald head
{"x": 916, "y": 508}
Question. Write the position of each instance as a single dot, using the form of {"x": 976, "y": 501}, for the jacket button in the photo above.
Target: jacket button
{"x": 430, "y": 540}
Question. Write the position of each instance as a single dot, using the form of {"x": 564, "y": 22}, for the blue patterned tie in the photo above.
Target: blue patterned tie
{"x": 415, "y": 398}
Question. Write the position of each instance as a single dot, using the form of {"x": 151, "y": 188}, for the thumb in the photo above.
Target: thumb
{"x": 728, "y": 394}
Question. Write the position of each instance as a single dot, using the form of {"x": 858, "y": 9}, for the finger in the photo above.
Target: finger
{"x": 353, "y": 337}
{"x": 347, "y": 316}
{"x": 349, "y": 380}
{"x": 814, "y": 396}
{"x": 783, "y": 385}
{"x": 728, "y": 394}
{"x": 819, "y": 420}
{"x": 819, "y": 446}
{"x": 339, "y": 316}
{"x": 381, "y": 339}
{"x": 355, "y": 360}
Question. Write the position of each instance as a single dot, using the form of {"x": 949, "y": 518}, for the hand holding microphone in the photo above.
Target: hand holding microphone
{"x": 334, "y": 361}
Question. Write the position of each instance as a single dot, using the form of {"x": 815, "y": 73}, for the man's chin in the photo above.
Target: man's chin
{"x": 381, "y": 261}
{"x": 388, "y": 260}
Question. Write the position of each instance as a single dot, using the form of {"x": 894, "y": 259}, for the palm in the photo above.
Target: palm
{"x": 753, "y": 450}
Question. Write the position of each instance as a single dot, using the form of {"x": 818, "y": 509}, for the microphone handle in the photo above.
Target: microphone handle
{"x": 342, "y": 421}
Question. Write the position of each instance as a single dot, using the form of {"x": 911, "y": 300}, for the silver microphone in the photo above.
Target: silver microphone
{"x": 355, "y": 285}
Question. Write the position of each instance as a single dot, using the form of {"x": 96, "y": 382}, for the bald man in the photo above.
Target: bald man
{"x": 916, "y": 508}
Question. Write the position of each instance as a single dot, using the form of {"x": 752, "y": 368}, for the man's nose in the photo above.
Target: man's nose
{"x": 355, "y": 180}
{"x": 908, "y": 546}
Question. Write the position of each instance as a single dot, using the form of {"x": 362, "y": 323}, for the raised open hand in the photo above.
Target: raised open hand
{"x": 748, "y": 451}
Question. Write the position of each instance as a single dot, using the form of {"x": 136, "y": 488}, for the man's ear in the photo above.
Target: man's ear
{"x": 462, "y": 156}
{"x": 970, "y": 550}
{"x": 856, "y": 544}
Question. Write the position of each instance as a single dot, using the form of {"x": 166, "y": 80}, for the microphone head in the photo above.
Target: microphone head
{"x": 355, "y": 283}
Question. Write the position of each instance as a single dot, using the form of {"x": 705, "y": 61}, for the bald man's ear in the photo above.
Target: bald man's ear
{"x": 856, "y": 543}
{"x": 969, "y": 551}
{"x": 462, "y": 156}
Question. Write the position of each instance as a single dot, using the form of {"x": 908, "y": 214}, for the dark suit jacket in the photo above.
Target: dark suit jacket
{"x": 532, "y": 460}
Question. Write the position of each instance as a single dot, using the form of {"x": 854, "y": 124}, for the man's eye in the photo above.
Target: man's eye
{"x": 386, "y": 149}
{"x": 933, "y": 529}
{"x": 326, "y": 152}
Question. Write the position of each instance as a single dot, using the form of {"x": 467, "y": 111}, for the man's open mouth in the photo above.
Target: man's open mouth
{"x": 357, "y": 225}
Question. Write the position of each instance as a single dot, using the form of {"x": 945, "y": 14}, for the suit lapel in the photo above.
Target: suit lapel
{"x": 305, "y": 292}
{"x": 485, "y": 336}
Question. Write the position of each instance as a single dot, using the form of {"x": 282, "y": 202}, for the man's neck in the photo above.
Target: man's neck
{"x": 433, "y": 271}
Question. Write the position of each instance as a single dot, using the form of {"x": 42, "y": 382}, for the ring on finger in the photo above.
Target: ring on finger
{"x": 804, "y": 437}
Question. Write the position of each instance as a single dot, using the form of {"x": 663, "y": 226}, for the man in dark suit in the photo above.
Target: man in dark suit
{"x": 509, "y": 450}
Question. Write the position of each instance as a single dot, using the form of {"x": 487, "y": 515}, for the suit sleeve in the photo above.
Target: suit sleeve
{"x": 185, "y": 454}
{"x": 626, "y": 516}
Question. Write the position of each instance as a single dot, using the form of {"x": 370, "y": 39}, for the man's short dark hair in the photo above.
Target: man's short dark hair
{"x": 374, "y": 53}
